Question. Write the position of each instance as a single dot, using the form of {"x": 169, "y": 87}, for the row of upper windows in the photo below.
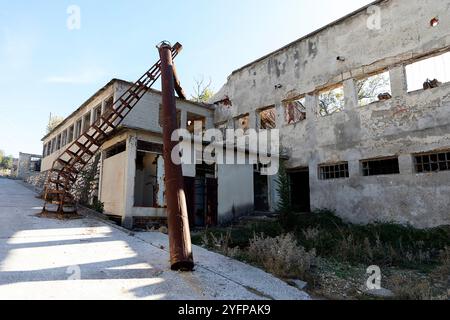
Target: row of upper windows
{"x": 76, "y": 130}
{"x": 424, "y": 74}
{"x": 83, "y": 124}
{"x": 423, "y": 163}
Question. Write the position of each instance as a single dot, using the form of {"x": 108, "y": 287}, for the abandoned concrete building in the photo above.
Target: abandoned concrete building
{"x": 363, "y": 110}
{"x": 28, "y": 165}
{"x": 131, "y": 167}
{"x": 384, "y": 156}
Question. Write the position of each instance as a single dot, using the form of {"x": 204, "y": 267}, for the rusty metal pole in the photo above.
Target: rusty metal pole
{"x": 181, "y": 257}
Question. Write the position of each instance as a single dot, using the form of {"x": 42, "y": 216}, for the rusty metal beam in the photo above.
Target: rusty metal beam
{"x": 181, "y": 257}
{"x": 178, "y": 89}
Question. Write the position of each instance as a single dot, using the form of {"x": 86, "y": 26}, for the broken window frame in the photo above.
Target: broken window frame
{"x": 432, "y": 162}
{"x": 269, "y": 124}
{"x": 330, "y": 109}
{"x": 334, "y": 171}
{"x": 378, "y": 89}
{"x": 295, "y": 110}
{"x": 419, "y": 63}
{"x": 386, "y": 166}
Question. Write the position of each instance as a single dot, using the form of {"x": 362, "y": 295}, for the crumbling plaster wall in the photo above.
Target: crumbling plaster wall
{"x": 408, "y": 123}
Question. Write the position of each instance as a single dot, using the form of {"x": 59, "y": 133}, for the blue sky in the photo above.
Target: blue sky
{"x": 47, "y": 68}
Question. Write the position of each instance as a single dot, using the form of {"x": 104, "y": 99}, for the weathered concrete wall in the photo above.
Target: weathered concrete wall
{"x": 145, "y": 115}
{"x": 112, "y": 189}
{"x": 409, "y": 123}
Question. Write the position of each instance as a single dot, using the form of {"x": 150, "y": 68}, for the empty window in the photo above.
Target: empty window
{"x": 58, "y": 142}
{"x": 97, "y": 113}
{"x": 115, "y": 150}
{"x": 70, "y": 134}
{"x": 378, "y": 167}
{"x": 109, "y": 104}
{"x": 64, "y": 138}
{"x": 374, "y": 88}
{"x": 429, "y": 73}
{"x": 149, "y": 147}
{"x": 87, "y": 122}
{"x": 242, "y": 122}
{"x": 331, "y": 101}
{"x": 192, "y": 119}
{"x": 334, "y": 171}
{"x": 54, "y": 148}
{"x": 146, "y": 180}
{"x": 268, "y": 118}
{"x": 295, "y": 111}
{"x": 78, "y": 128}
{"x": 433, "y": 162}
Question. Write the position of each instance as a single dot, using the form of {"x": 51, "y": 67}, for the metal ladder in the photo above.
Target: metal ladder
{"x": 69, "y": 164}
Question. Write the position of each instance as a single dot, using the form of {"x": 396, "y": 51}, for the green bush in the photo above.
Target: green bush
{"x": 98, "y": 206}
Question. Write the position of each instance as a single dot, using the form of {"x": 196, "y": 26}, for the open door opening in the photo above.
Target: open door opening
{"x": 300, "y": 191}
{"x": 261, "y": 191}
{"x": 201, "y": 197}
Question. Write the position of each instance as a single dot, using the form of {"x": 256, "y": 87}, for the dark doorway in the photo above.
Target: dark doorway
{"x": 201, "y": 197}
{"x": 300, "y": 192}
{"x": 261, "y": 192}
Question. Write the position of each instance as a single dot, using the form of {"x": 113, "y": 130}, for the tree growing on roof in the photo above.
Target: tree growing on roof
{"x": 53, "y": 122}
{"x": 202, "y": 91}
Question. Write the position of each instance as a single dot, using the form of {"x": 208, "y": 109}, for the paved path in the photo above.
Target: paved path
{"x": 91, "y": 259}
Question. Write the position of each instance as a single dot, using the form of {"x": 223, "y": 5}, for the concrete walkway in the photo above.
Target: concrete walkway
{"x": 90, "y": 259}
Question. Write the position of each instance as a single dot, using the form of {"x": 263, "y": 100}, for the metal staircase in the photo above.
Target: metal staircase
{"x": 69, "y": 164}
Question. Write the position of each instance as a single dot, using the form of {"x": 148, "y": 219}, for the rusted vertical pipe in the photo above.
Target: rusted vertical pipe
{"x": 181, "y": 257}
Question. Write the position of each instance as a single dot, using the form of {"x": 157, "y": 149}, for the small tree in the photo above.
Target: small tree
{"x": 53, "y": 123}
{"x": 284, "y": 202}
{"x": 202, "y": 91}
{"x": 7, "y": 162}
